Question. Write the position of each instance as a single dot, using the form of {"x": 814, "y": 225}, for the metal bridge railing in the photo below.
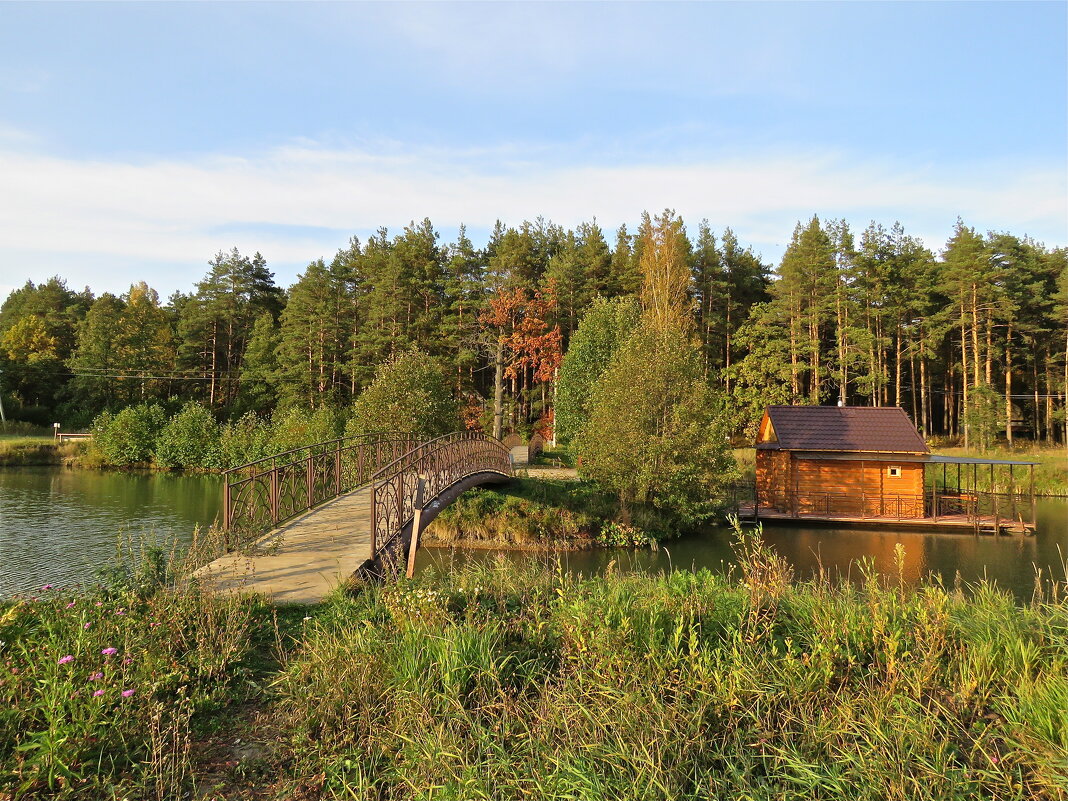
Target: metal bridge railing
{"x": 260, "y": 495}
{"x": 439, "y": 463}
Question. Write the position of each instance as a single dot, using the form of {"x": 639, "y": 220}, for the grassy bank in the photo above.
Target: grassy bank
{"x": 510, "y": 682}
{"x": 32, "y": 451}
{"x": 545, "y": 513}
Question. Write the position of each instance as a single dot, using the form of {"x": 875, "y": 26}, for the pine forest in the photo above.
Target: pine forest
{"x": 970, "y": 340}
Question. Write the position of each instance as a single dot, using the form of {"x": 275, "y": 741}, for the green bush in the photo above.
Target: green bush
{"x": 245, "y": 440}
{"x": 411, "y": 394}
{"x": 294, "y": 427}
{"x": 128, "y": 437}
{"x": 190, "y": 440}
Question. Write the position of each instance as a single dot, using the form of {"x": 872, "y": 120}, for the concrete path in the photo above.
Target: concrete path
{"x": 520, "y": 455}
{"x": 304, "y": 560}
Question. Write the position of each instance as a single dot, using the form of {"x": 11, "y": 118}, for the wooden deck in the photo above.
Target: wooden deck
{"x": 959, "y": 524}
{"x": 304, "y": 560}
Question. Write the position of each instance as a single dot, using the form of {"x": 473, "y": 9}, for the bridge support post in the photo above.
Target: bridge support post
{"x": 417, "y": 519}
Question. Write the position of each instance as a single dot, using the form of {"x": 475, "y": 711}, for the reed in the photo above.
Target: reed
{"x": 515, "y": 682}
{"x": 505, "y": 680}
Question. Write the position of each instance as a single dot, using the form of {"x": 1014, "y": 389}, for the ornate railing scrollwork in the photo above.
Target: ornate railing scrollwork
{"x": 260, "y": 495}
{"x": 440, "y": 463}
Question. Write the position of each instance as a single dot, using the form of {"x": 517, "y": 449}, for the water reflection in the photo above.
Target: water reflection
{"x": 60, "y": 526}
{"x": 1010, "y": 562}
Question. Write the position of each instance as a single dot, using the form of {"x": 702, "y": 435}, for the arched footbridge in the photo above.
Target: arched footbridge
{"x": 299, "y": 523}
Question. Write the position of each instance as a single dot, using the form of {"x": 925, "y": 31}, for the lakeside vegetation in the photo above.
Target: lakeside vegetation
{"x": 546, "y": 514}
{"x": 507, "y": 682}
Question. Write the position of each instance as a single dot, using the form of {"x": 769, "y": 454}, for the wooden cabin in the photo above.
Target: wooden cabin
{"x": 864, "y": 461}
{"x": 869, "y": 466}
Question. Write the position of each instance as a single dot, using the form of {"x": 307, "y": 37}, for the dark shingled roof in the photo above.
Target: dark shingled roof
{"x": 874, "y": 429}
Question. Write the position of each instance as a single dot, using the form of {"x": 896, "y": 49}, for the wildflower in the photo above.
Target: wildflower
{"x": 110, "y": 651}
{"x": 46, "y": 588}
{"x": 127, "y": 693}
{"x": 96, "y": 676}
{"x": 87, "y": 625}
{"x": 65, "y": 659}
{"x": 99, "y": 603}
{"x": 98, "y": 693}
{"x": 127, "y": 661}
{"x": 71, "y": 604}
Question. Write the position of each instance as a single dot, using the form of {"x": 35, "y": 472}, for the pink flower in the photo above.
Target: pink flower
{"x": 99, "y": 603}
{"x": 71, "y": 604}
{"x": 127, "y": 661}
{"x": 96, "y": 676}
{"x": 65, "y": 659}
{"x": 120, "y": 612}
{"x": 87, "y": 625}
{"x": 110, "y": 651}
{"x": 46, "y": 588}
{"x": 127, "y": 693}
{"x": 98, "y": 693}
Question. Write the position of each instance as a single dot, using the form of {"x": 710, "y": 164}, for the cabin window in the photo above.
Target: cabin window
{"x": 894, "y": 471}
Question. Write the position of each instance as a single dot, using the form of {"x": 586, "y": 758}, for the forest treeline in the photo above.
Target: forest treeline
{"x": 970, "y": 341}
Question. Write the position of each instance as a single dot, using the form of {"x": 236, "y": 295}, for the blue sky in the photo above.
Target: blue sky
{"x": 138, "y": 139}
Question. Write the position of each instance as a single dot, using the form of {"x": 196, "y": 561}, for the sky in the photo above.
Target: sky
{"x": 138, "y": 139}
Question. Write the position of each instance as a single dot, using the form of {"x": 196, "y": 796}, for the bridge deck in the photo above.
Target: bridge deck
{"x": 304, "y": 560}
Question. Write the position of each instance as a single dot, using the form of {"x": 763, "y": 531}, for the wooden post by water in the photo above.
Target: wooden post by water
{"x": 417, "y": 520}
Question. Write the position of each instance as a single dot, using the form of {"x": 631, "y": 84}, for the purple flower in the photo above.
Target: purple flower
{"x": 127, "y": 661}
{"x": 110, "y": 651}
{"x": 127, "y": 693}
{"x": 65, "y": 659}
{"x": 96, "y": 676}
{"x": 87, "y": 625}
{"x": 98, "y": 693}
{"x": 46, "y": 588}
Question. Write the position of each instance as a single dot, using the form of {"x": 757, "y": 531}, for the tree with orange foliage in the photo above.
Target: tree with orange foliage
{"x": 528, "y": 350}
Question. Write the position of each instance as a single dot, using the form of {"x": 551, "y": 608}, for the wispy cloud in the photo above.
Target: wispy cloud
{"x": 302, "y": 201}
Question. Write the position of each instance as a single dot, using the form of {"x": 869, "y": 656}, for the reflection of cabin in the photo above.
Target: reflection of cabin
{"x": 863, "y": 463}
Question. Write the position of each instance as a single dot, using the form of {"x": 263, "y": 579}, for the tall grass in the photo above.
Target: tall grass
{"x": 99, "y": 690}
{"x": 519, "y": 682}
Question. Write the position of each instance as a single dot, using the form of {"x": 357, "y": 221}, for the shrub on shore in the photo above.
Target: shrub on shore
{"x": 129, "y": 436}
{"x": 190, "y": 440}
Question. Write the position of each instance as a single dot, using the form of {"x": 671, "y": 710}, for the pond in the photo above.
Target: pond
{"x": 1010, "y": 561}
{"x": 60, "y": 526}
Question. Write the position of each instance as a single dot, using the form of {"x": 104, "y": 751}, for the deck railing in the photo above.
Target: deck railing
{"x": 439, "y": 464}
{"x": 262, "y": 494}
{"x": 975, "y": 506}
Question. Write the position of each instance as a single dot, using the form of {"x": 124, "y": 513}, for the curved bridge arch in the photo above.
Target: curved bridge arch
{"x": 426, "y": 480}
{"x": 341, "y": 511}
